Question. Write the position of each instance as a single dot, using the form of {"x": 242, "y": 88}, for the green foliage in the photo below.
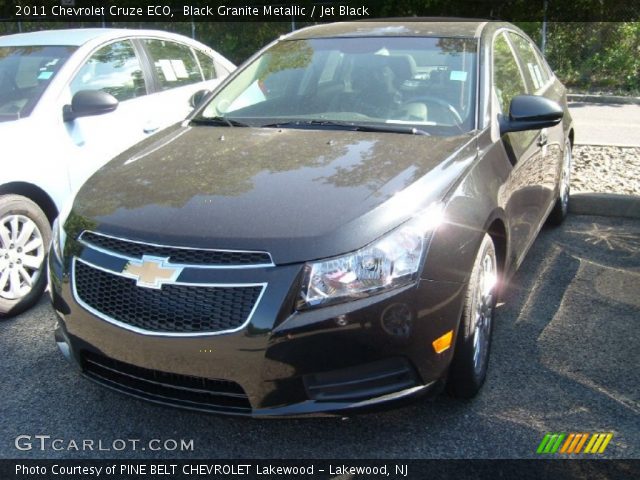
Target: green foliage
{"x": 596, "y": 55}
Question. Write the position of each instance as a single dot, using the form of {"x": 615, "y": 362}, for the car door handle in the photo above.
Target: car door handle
{"x": 543, "y": 138}
{"x": 150, "y": 128}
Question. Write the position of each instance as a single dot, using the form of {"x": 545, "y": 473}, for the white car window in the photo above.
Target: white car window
{"x": 175, "y": 63}
{"x": 114, "y": 69}
{"x": 207, "y": 64}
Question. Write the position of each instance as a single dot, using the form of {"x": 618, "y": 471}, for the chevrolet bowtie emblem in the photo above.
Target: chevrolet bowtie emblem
{"x": 151, "y": 272}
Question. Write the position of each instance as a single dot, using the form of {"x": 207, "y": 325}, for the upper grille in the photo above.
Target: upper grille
{"x": 181, "y": 309}
{"x": 221, "y": 396}
{"x": 190, "y": 256}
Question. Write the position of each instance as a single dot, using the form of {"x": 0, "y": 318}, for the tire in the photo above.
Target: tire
{"x": 471, "y": 356}
{"x": 561, "y": 207}
{"x": 25, "y": 234}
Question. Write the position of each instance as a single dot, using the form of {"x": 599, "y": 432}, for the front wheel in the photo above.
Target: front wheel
{"x": 25, "y": 234}
{"x": 561, "y": 208}
{"x": 471, "y": 358}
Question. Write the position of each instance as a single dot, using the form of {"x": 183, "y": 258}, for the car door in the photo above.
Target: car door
{"x": 524, "y": 205}
{"x": 179, "y": 72}
{"x": 540, "y": 83}
{"x": 115, "y": 68}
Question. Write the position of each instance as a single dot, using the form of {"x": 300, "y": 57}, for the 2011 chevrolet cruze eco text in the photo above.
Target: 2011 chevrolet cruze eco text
{"x": 329, "y": 231}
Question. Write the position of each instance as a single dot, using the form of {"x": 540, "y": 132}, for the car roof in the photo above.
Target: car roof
{"x": 75, "y": 36}
{"x": 396, "y": 27}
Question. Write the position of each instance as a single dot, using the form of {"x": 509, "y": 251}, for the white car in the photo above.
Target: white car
{"x": 70, "y": 100}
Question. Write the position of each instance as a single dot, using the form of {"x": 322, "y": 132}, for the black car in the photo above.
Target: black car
{"x": 330, "y": 230}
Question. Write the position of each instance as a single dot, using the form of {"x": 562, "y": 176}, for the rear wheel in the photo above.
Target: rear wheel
{"x": 471, "y": 358}
{"x": 561, "y": 208}
{"x": 25, "y": 234}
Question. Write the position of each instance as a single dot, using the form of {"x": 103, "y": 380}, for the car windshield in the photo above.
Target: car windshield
{"x": 385, "y": 83}
{"x": 25, "y": 72}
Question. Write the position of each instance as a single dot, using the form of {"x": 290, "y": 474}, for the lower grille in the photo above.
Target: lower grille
{"x": 219, "y": 396}
{"x": 173, "y": 309}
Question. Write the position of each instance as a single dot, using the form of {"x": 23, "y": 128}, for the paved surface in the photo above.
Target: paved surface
{"x": 601, "y": 124}
{"x": 565, "y": 358}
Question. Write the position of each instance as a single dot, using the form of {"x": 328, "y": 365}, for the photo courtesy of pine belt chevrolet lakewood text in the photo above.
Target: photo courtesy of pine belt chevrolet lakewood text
{"x": 328, "y": 231}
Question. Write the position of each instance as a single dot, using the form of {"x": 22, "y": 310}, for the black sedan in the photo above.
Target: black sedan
{"x": 329, "y": 231}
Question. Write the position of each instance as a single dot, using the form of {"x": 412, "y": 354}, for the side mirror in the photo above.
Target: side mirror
{"x": 198, "y": 97}
{"x": 89, "y": 102}
{"x": 530, "y": 112}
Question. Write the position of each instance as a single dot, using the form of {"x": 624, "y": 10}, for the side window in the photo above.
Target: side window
{"x": 207, "y": 64}
{"x": 507, "y": 80}
{"x": 114, "y": 69}
{"x": 175, "y": 63}
{"x": 546, "y": 69}
{"x": 534, "y": 72}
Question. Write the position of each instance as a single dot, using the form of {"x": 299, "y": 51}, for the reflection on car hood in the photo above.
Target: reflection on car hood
{"x": 299, "y": 194}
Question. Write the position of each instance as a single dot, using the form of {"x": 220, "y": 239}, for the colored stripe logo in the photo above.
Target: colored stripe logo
{"x": 573, "y": 443}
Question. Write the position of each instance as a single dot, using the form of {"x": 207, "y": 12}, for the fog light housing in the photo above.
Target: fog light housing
{"x": 397, "y": 320}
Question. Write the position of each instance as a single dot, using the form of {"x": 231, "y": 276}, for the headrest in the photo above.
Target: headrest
{"x": 403, "y": 66}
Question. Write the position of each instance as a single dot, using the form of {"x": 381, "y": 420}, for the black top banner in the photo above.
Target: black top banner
{"x": 314, "y": 11}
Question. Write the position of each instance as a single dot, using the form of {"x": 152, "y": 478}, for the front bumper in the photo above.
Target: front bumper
{"x": 352, "y": 356}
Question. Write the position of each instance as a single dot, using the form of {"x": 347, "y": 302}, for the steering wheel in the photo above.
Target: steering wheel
{"x": 450, "y": 109}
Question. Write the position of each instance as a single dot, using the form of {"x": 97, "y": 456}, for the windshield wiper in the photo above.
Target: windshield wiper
{"x": 359, "y": 127}
{"x": 223, "y": 121}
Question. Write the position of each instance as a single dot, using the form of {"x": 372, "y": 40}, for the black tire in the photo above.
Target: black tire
{"x": 11, "y": 206}
{"x": 467, "y": 373}
{"x": 561, "y": 207}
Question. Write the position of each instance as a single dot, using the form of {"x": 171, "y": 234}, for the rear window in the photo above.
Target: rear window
{"x": 25, "y": 73}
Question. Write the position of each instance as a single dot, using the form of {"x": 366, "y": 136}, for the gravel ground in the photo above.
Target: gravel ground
{"x": 606, "y": 169}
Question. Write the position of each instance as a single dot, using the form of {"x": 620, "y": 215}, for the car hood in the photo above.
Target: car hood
{"x": 298, "y": 194}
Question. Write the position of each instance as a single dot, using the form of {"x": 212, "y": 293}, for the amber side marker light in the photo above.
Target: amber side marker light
{"x": 443, "y": 343}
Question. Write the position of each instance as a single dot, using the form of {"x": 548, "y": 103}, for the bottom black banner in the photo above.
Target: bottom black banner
{"x": 319, "y": 469}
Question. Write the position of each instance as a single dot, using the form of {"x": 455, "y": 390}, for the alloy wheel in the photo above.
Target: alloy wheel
{"x": 565, "y": 181}
{"x": 484, "y": 305}
{"x": 22, "y": 252}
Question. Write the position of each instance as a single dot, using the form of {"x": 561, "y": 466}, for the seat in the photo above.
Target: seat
{"x": 372, "y": 91}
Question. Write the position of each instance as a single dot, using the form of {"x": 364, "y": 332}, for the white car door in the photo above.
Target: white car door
{"x": 92, "y": 141}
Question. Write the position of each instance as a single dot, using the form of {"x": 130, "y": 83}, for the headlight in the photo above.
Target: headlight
{"x": 390, "y": 262}
{"x": 58, "y": 234}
